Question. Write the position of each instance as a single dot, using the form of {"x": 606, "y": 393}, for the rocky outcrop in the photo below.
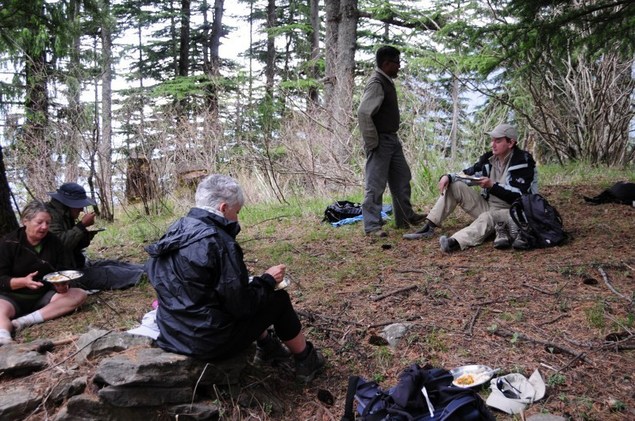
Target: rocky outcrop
{"x": 128, "y": 379}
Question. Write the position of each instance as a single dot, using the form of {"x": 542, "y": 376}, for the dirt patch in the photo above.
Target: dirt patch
{"x": 552, "y": 309}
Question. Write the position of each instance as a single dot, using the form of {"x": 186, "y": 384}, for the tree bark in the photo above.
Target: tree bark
{"x": 104, "y": 177}
{"x": 8, "y": 222}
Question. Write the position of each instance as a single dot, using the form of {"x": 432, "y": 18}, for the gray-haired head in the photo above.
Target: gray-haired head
{"x": 216, "y": 189}
{"x": 32, "y": 209}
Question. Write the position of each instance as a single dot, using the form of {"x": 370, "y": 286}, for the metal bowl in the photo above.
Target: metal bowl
{"x": 480, "y": 374}
{"x": 62, "y": 276}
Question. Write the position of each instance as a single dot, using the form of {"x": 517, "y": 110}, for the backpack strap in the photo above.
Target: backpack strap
{"x": 479, "y": 411}
{"x": 349, "y": 415}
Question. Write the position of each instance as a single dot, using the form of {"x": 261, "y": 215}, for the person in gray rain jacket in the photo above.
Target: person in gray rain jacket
{"x": 208, "y": 306}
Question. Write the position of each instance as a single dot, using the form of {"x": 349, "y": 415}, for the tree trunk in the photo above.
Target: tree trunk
{"x": 184, "y": 39}
{"x": 104, "y": 178}
{"x": 333, "y": 18}
{"x": 8, "y": 222}
{"x": 314, "y": 17}
{"x": 40, "y": 175}
{"x": 75, "y": 121}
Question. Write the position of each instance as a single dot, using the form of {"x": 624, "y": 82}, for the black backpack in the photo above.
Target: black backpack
{"x": 406, "y": 401}
{"x": 341, "y": 209}
{"x": 539, "y": 223}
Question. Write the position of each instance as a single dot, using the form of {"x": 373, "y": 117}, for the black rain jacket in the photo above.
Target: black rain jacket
{"x": 202, "y": 283}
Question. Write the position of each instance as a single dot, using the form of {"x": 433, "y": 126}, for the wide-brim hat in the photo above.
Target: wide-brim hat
{"x": 72, "y": 195}
{"x": 523, "y": 392}
{"x": 504, "y": 130}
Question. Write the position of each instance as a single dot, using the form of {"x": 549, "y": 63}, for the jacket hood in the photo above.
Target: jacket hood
{"x": 197, "y": 225}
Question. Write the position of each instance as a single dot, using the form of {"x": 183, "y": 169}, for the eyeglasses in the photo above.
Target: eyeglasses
{"x": 504, "y": 386}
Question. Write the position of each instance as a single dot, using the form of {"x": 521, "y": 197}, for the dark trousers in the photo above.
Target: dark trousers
{"x": 278, "y": 312}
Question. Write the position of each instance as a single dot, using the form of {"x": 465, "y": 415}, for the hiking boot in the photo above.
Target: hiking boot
{"x": 514, "y": 230}
{"x": 521, "y": 243}
{"x": 307, "y": 368}
{"x": 271, "y": 352}
{"x": 502, "y": 240}
{"x": 378, "y": 233}
{"x": 449, "y": 244}
{"x": 417, "y": 219}
{"x": 424, "y": 233}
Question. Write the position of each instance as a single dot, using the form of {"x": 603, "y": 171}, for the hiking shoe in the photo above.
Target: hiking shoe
{"x": 449, "y": 244}
{"x": 272, "y": 352}
{"x": 502, "y": 240}
{"x": 424, "y": 233}
{"x": 521, "y": 243}
{"x": 309, "y": 367}
{"x": 378, "y": 233}
{"x": 418, "y": 218}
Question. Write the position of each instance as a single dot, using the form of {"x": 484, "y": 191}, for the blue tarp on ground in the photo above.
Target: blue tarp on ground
{"x": 386, "y": 210}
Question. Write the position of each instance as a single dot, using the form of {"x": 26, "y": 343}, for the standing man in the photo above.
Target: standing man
{"x": 378, "y": 116}
{"x": 504, "y": 174}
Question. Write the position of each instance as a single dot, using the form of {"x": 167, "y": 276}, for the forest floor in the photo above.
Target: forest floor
{"x": 566, "y": 311}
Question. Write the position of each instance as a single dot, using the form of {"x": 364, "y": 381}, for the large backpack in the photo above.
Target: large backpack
{"x": 539, "y": 223}
{"x": 420, "y": 395}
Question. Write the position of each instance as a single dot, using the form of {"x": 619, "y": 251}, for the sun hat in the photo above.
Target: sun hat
{"x": 72, "y": 195}
{"x": 504, "y": 130}
{"x": 513, "y": 392}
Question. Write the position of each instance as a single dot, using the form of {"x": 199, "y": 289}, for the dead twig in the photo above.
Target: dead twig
{"x": 388, "y": 294}
{"x": 608, "y": 284}
{"x": 548, "y": 322}
{"x": 470, "y": 327}
{"x": 539, "y": 289}
{"x": 572, "y": 361}
{"x": 507, "y": 334}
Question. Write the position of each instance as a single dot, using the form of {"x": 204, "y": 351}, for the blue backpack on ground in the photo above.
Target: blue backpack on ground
{"x": 422, "y": 394}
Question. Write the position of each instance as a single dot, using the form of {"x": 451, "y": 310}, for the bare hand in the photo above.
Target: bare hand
{"x": 277, "y": 272}
{"x": 26, "y": 282}
{"x": 485, "y": 182}
{"x": 88, "y": 219}
{"x": 443, "y": 184}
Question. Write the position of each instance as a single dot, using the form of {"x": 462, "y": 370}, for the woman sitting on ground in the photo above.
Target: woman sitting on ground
{"x": 26, "y": 255}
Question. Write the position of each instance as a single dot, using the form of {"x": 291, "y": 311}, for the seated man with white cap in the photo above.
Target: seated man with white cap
{"x": 66, "y": 204}
{"x": 504, "y": 174}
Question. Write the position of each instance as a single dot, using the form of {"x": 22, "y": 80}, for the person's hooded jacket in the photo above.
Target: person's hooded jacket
{"x": 202, "y": 284}
{"x": 74, "y": 235}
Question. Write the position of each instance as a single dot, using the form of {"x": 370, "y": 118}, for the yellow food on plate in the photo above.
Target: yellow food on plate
{"x": 464, "y": 380}
{"x": 58, "y": 278}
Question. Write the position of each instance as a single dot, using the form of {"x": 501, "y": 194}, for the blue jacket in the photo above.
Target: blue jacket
{"x": 202, "y": 284}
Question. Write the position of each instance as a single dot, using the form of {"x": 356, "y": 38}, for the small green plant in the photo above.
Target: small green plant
{"x": 556, "y": 379}
{"x": 595, "y": 315}
{"x": 616, "y": 405}
{"x": 378, "y": 377}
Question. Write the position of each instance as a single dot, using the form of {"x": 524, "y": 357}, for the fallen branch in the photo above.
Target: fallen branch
{"x": 572, "y": 361}
{"x": 538, "y": 289}
{"x": 548, "y": 322}
{"x": 388, "y": 294}
{"x": 608, "y": 284}
{"x": 474, "y": 317}
{"x": 507, "y": 334}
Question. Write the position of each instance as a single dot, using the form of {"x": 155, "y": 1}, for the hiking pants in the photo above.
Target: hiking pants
{"x": 485, "y": 214}
{"x": 387, "y": 164}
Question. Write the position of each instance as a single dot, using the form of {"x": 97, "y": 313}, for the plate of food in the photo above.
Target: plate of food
{"x": 62, "y": 276}
{"x": 471, "y": 375}
{"x": 464, "y": 176}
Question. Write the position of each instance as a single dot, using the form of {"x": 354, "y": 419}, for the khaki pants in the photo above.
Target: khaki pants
{"x": 485, "y": 213}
